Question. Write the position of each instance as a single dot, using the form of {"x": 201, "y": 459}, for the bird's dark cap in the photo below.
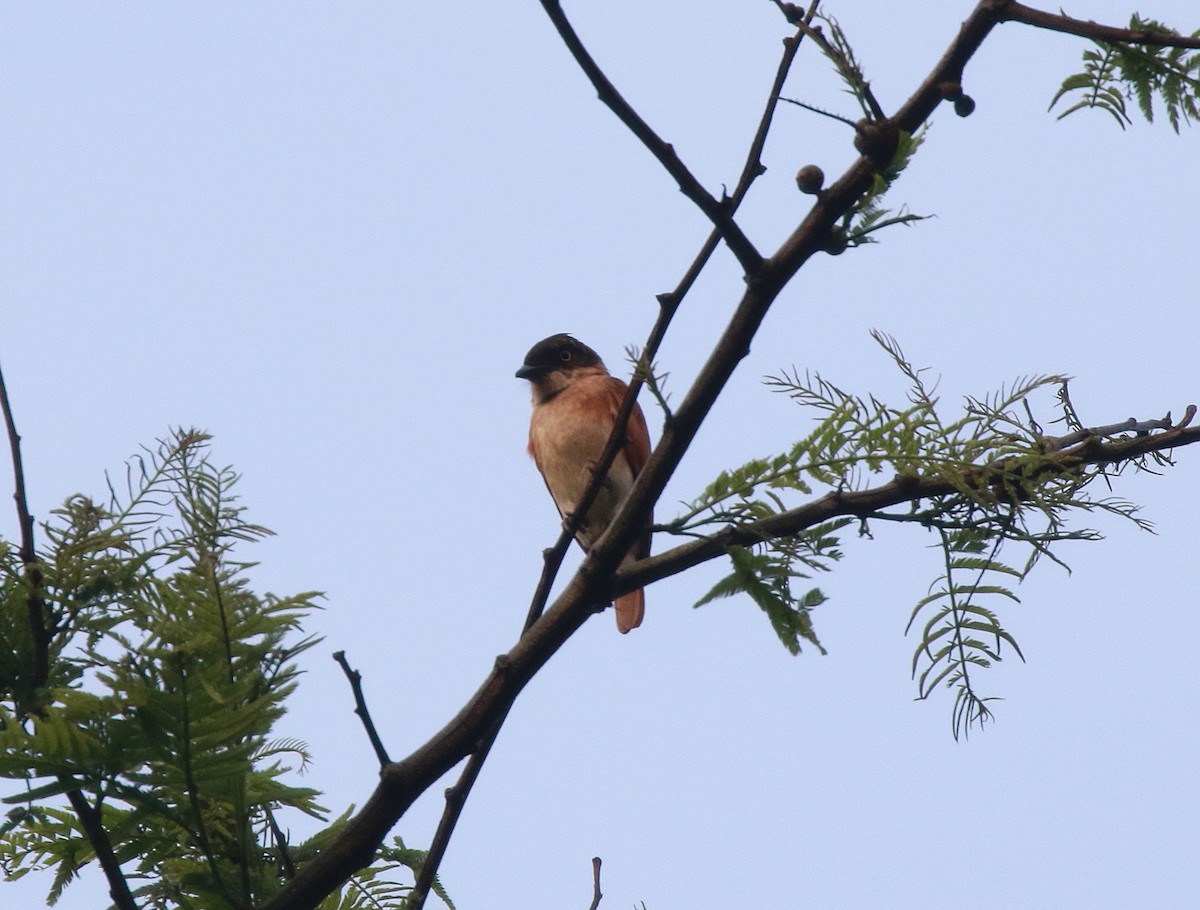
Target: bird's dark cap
{"x": 558, "y": 352}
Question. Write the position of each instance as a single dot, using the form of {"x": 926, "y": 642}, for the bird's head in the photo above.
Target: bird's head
{"x": 553, "y": 363}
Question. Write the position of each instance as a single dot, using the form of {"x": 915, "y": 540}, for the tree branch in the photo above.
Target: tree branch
{"x": 597, "y": 579}
{"x": 1059, "y": 22}
{"x": 596, "y": 895}
{"x": 93, "y": 826}
{"x": 717, "y": 212}
{"x": 1089, "y": 451}
{"x": 360, "y": 707}
{"x": 753, "y": 168}
{"x": 402, "y": 782}
{"x": 668, "y": 305}
{"x": 34, "y": 602}
{"x": 552, "y": 558}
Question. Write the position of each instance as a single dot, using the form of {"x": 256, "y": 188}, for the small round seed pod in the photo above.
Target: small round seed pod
{"x": 810, "y": 179}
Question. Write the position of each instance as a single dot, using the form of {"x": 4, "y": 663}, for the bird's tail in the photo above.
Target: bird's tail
{"x": 631, "y": 608}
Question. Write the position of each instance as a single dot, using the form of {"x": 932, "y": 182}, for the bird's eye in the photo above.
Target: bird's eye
{"x": 564, "y": 356}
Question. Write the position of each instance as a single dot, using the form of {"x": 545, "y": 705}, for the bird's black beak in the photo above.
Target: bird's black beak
{"x": 529, "y": 371}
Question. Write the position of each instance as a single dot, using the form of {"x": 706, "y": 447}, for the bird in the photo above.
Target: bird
{"x": 575, "y": 405}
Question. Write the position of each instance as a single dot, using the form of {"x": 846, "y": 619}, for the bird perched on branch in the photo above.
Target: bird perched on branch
{"x": 575, "y": 405}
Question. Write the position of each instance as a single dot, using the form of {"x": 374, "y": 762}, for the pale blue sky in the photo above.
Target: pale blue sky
{"x": 328, "y": 233}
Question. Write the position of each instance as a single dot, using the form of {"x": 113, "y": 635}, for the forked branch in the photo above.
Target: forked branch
{"x": 718, "y": 212}
{"x": 598, "y": 580}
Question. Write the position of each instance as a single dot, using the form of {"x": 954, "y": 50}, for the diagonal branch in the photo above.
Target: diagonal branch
{"x": 1060, "y": 22}
{"x": 92, "y": 823}
{"x": 718, "y": 212}
{"x": 401, "y": 782}
{"x": 552, "y": 558}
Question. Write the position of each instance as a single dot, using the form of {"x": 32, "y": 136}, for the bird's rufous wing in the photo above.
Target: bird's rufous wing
{"x": 631, "y": 607}
{"x": 636, "y": 450}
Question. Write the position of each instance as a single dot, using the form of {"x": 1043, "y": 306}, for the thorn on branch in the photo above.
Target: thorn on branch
{"x": 821, "y": 111}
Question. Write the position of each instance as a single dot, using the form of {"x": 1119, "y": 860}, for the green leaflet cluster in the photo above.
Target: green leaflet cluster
{"x": 1115, "y": 73}
{"x": 1008, "y": 488}
{"x": 165, "y": 674}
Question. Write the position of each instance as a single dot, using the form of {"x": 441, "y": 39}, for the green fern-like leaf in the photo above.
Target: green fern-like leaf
{"x": 767, "y": 576}
{"x": 1009, "y": 488}
{"x": 168, "y": 673}
{"x": 1116, "y": 73}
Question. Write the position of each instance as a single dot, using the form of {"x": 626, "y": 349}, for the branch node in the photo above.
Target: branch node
{"x": 877, "y": 140}
{"x": 950, "y": 89}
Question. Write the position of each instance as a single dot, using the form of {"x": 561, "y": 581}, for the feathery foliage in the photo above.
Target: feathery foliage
{"x": 868, "y": 214}
{"x": 167, "y": 674}
{"x": 1008, "y": 488}
{"x": 1116, "y": 73}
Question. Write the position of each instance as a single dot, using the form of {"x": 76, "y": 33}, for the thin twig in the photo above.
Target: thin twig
{"x": 1132, "y": 425}
{"x": 848, "y": 69}
{"x": 281, "y": 845}
{"x": 1058, "y": 22}
{"x": 596, "y": 895}
{"x": 824, "y": 113}
{"x": 717, "y": 212}
{"x": 360, "y": 707}
{"x": 34, "y": 602}
{"x": 751, "y": 170}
